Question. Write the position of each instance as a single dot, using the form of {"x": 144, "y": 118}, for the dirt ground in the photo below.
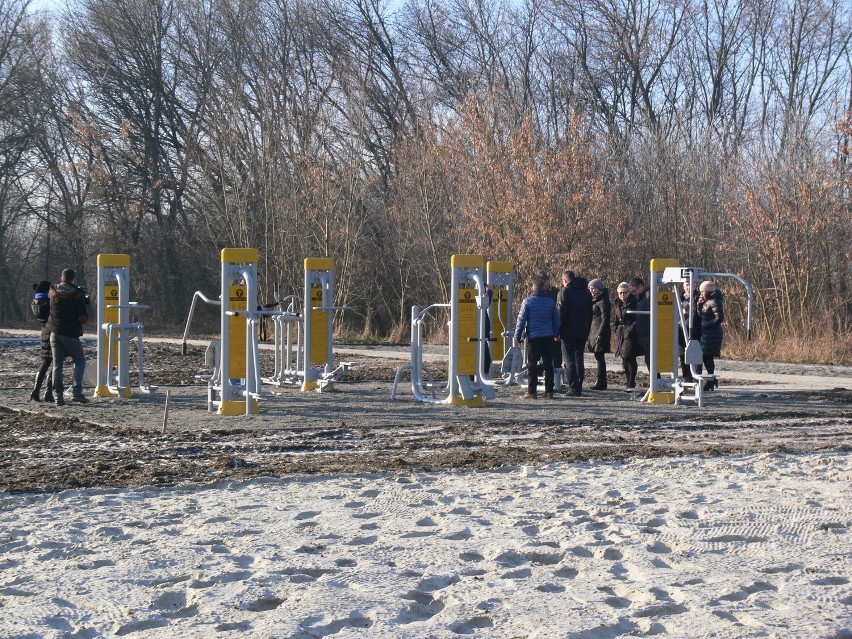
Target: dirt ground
{"x": 357, "y": 427}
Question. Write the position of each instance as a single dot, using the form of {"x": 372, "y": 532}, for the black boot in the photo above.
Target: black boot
{"x": 34, "y": 396}
{"x": 48, "y": 392}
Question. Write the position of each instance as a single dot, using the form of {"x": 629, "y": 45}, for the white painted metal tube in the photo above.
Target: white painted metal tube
{"x": 198, "y": 295}
{"x": 749, "y": 293}
{"x": 417, "y": 318}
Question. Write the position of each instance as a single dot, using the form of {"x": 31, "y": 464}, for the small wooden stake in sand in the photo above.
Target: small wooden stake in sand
{"x": 166, "y": 411}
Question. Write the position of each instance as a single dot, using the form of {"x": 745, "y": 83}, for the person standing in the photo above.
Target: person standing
{"x": 642, "y": 293}
{"x": 539, "y": 318}
{"x": 626, "y": 342}
{"x": 599, "y": 335}
{"x": 712, "y": 313}
{"x": 68, "y": 313}
{"x": 41, "y": 309}
{"x": 575, "y": 320}
{"x": 553, "y": 293}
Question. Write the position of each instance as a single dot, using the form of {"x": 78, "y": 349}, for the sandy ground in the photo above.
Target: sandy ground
{"x": 745, "y": 546}
{"x": 347, "y": 514}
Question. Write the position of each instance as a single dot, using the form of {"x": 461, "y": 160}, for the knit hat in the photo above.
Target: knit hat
{"x": 598, "y": 284}
{"x": 42, "y": 287}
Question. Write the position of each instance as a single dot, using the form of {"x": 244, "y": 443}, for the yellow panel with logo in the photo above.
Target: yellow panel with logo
{"x": 237, "y": 301}
{"x": 467, "y": 329}
{"x": 665, "y": 329}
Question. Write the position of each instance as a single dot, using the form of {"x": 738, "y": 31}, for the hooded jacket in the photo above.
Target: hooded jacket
{"x": 68, "y": 310}
{"x": 712, "y": 314}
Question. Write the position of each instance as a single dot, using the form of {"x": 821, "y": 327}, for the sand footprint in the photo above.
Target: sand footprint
{"x": 263, "y": 604}
{"x": 140, "y": 626}
{"x": 308, "y": 514}
{"x": 745, "y": 592}
{"x": 354, "y": 620}
{"x": 174, "y": 605}
{"x": 461, "y": 535}
{"x": 423, "y": 523}
{"x": 423, "y": 606}
{"x": 363, "y": 541}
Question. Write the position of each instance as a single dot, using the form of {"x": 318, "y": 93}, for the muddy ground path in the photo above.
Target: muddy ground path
{"x": 357, "y": 428}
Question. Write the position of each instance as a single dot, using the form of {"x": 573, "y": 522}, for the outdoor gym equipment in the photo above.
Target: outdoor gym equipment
{"x": 115, "y": 330}
{"x": 466, "y": 384}
{"x": 233, "y": 388}
{"x": 304, "y": 348}
{"x": 500, "y": 281}
{"x": 667, "y": 318}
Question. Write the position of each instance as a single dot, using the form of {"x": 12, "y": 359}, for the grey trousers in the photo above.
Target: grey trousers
{"x": 62, "y": 347}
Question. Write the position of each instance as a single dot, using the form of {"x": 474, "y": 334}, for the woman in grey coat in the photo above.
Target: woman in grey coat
{"x": 712, "y": 312}
{"x": 599, "y": 335}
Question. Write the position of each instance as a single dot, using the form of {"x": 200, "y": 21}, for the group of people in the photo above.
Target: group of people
{"x": 560, "y": 325}
{"x": 62, "y": 309}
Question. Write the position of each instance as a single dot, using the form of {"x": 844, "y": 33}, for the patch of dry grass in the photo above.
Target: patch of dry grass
{"x": 813, "y": 348}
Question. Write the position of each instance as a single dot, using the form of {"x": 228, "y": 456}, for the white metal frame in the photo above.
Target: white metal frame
{"x": 682, "y": 389}
{"x": 294, "y": 333}
{"x": 114, "y": 381}
{"x": 459, "y": 389}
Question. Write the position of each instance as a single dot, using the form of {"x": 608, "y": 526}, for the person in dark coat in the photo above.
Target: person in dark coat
{"x": 642, "y": 293}
{"x": 41, "y": 309}
{"x": 69, "y": 310}
{"x": 624, "y": 326}
{"x": 575, "y": 315}
{"x": 599, "y": 335}
{"x": 686, "y": 373}
{"x": 712, "y": 312}
{"x": 553, "y": 292}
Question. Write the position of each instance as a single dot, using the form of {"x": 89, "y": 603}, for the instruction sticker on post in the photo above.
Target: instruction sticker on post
{"x": 111, "y": 316}
{"x": 237, "y": 301}
{"x": 319, "y": 329}
{"x": 467, "y": 329}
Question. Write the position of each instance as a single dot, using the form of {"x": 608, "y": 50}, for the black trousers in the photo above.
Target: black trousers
{"x": 630, "y": 370}
{"x": 573, "y": 352}
{"x": 539, "y": 348}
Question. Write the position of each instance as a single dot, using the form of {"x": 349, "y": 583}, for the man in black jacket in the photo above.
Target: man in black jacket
{"x": 641, "y": 292}
{"x": 575, "y": 315}
{"x": 68, "y": 312}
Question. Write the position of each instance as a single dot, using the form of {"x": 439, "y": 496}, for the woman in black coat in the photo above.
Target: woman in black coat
{"x": 712, "y": 313}
{"x": 627, "y": 345}
{"x": 599, "y": 335}
{"x": 41, "y": 309}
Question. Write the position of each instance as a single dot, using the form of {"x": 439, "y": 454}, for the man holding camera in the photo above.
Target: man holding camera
{"x": 68, "y": 312}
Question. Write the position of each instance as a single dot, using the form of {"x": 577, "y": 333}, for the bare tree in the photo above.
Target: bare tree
{"x": 20, "y": 47}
